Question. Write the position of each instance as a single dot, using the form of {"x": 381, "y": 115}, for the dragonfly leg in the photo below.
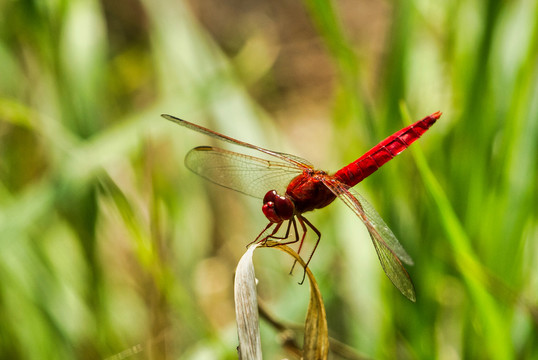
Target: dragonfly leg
{"x": 290, "y": 223}
{"x": 304, "y": 233}
{"x": 287, "y": 235}
{"x": 300, "y": 243}
{"x": 263, "y": 231}
{"x": 303, "y": 221}
{"x": 317, "y": 233}
{"x": 272, "y": 235}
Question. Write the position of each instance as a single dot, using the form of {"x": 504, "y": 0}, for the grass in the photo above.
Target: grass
{"x": 111, "y": 248}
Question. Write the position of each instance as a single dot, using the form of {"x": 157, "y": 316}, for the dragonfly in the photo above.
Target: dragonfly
{"x": 290, "y": 186}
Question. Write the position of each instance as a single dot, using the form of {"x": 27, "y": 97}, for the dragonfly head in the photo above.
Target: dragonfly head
{"x": 277, "y": 208}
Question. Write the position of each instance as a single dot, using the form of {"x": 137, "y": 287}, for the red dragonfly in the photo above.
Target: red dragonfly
{"x": 290, "y": 186}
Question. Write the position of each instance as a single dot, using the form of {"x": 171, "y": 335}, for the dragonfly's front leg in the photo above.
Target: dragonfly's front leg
{"x": 275, "y": 230}
{"x": 277, "y": 239}
{"x": 272, "y": 235}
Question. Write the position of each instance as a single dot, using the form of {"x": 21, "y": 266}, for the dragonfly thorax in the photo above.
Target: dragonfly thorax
{"x": 277, "y": 208}
{"x": 308, "y": 191}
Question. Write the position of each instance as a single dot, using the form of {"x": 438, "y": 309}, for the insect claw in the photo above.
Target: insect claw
{"x": 292, "y": 267}
{"x": 304, "y": 276}
{"x": 304, "y": 272}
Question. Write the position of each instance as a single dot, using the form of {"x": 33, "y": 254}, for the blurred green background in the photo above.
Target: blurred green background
{"x": 110, "y": 248}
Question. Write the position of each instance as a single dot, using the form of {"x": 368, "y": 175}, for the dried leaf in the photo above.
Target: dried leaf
{"x": 316, "y": 340}
{"x": 246, "y": 308}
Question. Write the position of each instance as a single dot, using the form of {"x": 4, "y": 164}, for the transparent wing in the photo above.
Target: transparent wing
{"x": 389, "y": 250}
{"x": 384, "y": 231}
{"x": 247, "y": 174}
{"x": 292, "y": 159}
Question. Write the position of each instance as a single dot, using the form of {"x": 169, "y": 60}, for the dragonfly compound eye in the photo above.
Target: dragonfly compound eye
{"x": 283, "y": 207}
{"x": 270, "y": 213}
{"x": 277, "y": 208}
{"x": 270, "y": 196}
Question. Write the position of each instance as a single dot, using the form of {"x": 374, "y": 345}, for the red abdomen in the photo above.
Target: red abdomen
{"x": 364, "y": 166}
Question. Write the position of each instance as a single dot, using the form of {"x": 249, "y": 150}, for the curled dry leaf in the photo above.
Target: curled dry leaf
{"x": 246, "y": 308}
{"x": 316, "y": 336}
